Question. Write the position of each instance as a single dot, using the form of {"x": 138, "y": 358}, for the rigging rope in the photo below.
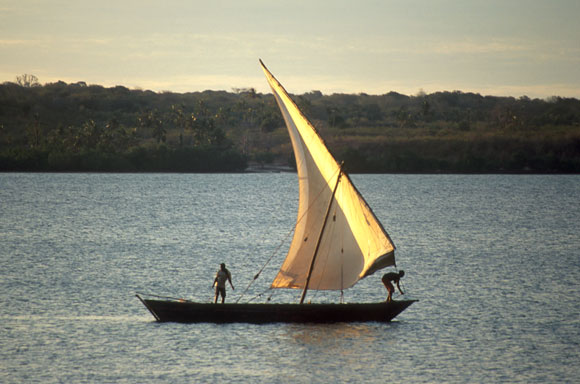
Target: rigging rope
{"x": 282, "y": 243}
{"x": 401, "y": 283}
{"x": 265, "y": 264}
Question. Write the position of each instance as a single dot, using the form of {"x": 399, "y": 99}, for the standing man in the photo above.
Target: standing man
{"x": 395, "y": 277}
{"x": 220, "y": 282}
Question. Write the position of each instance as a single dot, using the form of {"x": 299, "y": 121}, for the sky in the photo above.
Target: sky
{"x": 491, "y": 47}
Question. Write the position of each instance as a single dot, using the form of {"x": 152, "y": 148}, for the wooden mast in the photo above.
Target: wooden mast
{"x": 320, "y": 236}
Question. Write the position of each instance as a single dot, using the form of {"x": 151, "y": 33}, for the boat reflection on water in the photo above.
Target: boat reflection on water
{"x": 325, "y": 335}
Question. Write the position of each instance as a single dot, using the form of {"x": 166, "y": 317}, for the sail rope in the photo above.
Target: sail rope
{"x": 325, "y": 259}
{"x": 261, "y": 294}
{"x": 266, "y": 263}
{"x": 275, "y": 252}
{"x": 282, "y": 243}
{"x": 328, "y": 250}
{"x": 342, "y": 266}
{"x": 401, "y": 283}
{"x": 333, "y": 228}
{"x": 284, "y": 239}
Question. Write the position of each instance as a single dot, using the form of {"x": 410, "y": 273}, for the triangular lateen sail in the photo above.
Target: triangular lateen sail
{"x": 354, "y": 243}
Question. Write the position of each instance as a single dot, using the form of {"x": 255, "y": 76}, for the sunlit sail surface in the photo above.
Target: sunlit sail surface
{"x": 352, "y": 242}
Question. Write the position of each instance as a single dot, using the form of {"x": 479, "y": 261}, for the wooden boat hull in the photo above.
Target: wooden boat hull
{"x": 191, "y": 312}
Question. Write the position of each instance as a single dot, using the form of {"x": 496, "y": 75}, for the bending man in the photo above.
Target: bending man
{"x": 395, "y": 277}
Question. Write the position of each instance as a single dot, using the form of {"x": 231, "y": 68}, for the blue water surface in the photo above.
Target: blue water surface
{"x": 494, "y": 261}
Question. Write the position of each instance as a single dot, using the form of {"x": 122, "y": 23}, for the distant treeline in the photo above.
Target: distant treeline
{"x": 78, "y": 127}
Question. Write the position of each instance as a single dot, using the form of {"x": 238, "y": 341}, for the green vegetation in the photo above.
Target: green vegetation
{"x": 80, "y": 127}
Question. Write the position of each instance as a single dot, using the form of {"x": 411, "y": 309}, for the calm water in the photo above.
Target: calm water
{"x": 494, "y": 261}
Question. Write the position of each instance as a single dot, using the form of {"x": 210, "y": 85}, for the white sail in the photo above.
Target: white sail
{"x": 354, "y": 244}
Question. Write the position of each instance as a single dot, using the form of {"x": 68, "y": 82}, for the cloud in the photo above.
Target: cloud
{"x": 6, "y": 43}
{"x": 478, "y": 47}
{"x": 194, "y": 61}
